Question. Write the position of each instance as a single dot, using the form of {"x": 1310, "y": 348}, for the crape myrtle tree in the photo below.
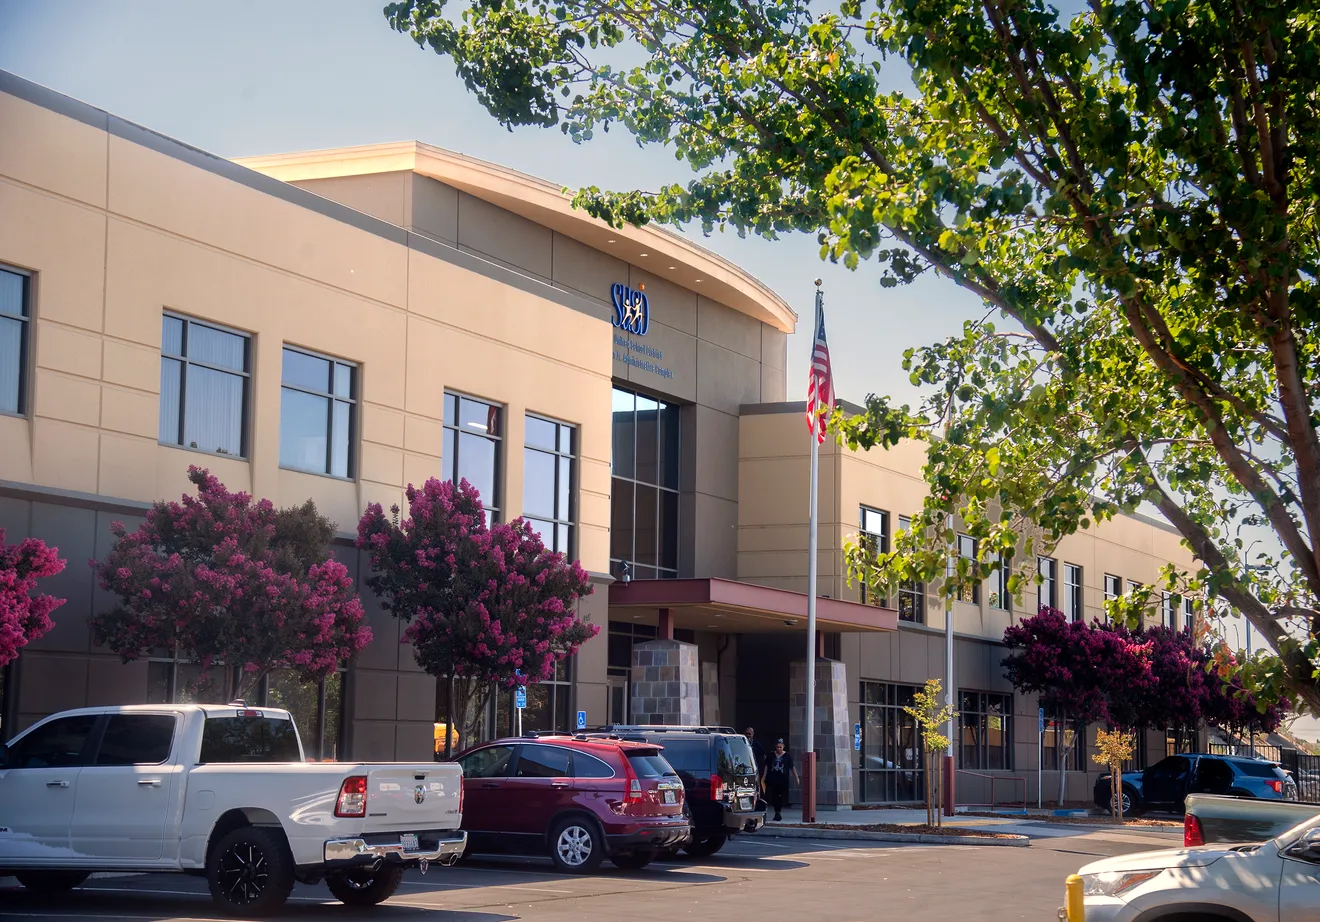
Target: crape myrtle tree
{"x": 486, "y": 606}
{"x": 1131, "y": 188}
{"x": 222, "y": 581}
{"x": 23, "y": 616}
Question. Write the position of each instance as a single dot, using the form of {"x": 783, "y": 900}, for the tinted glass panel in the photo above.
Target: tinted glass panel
{"x": 340, "y": 438}
{"x": 447, "y": 456}
{"x": 476, "y": 464}
{"x": 538, "y": 483}
{"x": 171, "y": 335}
{"x": 644, "y": 551}
{"x": 585, "y": 766}
{"x": 669, "y": 446}
{"x": 171, "y": 383}
{"x": 687, "y": 755}
{"x": 492, "y": 762}
{"x": 136, "y": 739}
{"x": 735, "y": 756}
{"x": 216, "y": 347}
{"x": 304, "y": 421}
{"x": 648, "y": 440}
{"x": 621, "y": 520}
{"x": 475, "y": 416}
{"x": 309, "y": 371}
{"x": 542, "y": 762}
{"x": 668, "y": 530}
{"x": 625, "y": 435}
{"x": 540, "y": 433}
{"x": 565, "y": 488}
{"x": 343, "y": 380}
{"x": 1256, "y": 769}
{"x": 213, "y": 416}
{"x": 649, "y": 764}
{"x": 249, "y": 739}
{"x": 11, "y": 294}
{"x": 57, "y": 744}
{"x": 11, "y": 362}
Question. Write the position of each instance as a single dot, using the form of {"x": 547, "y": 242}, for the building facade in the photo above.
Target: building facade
{"x": 336, "y": 325}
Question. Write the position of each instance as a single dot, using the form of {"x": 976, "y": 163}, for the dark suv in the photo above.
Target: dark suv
{"x": 719, "y": 775}
{"x": 1166, "y": 784}
{"x": 577, "y": 800}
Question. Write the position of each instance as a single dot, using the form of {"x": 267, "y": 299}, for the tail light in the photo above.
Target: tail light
{"x": 632, "y": 793}
{"x": 352, "y": 797}
{"x": 716, "y": 787}
{"x": 462, "y": 786}
{"x": 1192, "y": 834}
{"x": 1276, "y": 785}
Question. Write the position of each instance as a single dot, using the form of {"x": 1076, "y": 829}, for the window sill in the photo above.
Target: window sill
{"x": 334, "y": 477}
{"x": 203, "y": 451}
{"x": 5, "y": 414}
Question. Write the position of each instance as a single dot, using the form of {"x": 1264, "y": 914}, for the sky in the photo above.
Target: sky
{"x": 246, "y": 77}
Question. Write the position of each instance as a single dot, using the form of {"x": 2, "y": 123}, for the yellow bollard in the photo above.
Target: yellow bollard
{"x": 1074, "y": 903}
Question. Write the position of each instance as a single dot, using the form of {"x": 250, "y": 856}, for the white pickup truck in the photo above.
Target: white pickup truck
{"x": 221, "y": 792}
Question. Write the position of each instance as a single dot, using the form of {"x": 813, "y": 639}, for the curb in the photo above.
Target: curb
{"x": 804, "y": 832}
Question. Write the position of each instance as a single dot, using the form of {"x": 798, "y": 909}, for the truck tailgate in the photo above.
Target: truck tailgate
{"x": 402, "y": 798}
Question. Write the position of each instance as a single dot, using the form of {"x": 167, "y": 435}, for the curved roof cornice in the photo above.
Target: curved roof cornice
{"x": 658, "y": 250}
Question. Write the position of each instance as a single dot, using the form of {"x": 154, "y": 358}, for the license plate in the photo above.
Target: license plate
{"x": 409, "y": 842}
{"x": 669, "y": 797}
{"x": 745, "y": 803}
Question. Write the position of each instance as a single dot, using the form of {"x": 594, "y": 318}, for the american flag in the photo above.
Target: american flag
{"x": 820, "y": 382}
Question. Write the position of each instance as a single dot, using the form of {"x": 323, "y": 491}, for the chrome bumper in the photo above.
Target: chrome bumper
{"x": 359, "y": 851}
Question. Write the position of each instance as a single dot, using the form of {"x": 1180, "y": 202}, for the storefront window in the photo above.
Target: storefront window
{"x": 549, "y": 704}
{"x": 891, "y": 765}
{"x": 1060, "y": 735}
{"x": 474, "y": 430}
{"x": 985, "y": 731}
{"x": 548, "y": 481}
{"x": 644, "y": 487}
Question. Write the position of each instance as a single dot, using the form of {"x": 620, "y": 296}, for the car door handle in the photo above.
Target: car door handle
{"x": 558, "y": 784}
{"x": 149, "y": 782}
{"x": 57, "y": 784}
{"x": 490, "y": 784}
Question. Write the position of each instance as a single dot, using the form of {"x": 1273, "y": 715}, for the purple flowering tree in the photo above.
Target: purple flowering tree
{"x": 218, "y": 579}
{"x": 23, "y": 616}
{"x": 486, "y": 606}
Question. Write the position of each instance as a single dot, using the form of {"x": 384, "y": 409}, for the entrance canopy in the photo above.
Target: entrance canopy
{"x": 733, "y": 607}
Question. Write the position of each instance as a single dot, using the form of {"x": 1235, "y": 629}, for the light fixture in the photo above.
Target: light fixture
{"x": 612, "y": 240}
{"x": 673, "y": 267}
{"x": 790, "y": 622}
{"x": 643, "y": 254}
{"x": 698, "y": 281}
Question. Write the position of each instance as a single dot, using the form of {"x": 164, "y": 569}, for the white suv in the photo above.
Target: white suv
{"x": 1275, "y": 881}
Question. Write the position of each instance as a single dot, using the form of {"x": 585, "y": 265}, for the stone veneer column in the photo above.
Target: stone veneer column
{"x": 710, "y": 694}
{"x": 834, "y": 773}
{"x": 666, "y": 685}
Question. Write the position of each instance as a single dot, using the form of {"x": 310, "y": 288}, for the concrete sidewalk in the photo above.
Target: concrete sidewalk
{"x": 1035, "y": 827}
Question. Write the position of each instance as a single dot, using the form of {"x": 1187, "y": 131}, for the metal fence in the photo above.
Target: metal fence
{"x": 1306, "y": 772}
{"x": 1245, "y": 750}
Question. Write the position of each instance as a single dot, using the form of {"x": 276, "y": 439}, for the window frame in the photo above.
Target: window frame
{"x": 981, "y": 729}
{"x": 494, "y": 511}
{"x": 104, "y": 729}
{"x": 1052, "y": 581}
{"x": 951, "y": 570}
{"x": 883, "y": 545}
{"x": 1189, "y": 612}
{"x": 245, "y": 424}
{"x": 354, "y": 386}
{"x": 633, "y": 481}
{"x": 1050, "y": 752}
{"x": 913, "y": 591}
{"x": 1170, "y": 603}
{"x": 574, "y": 435}
{"x": 24, "y": 341}
{"x": 1000, "y": 598}
{"x": 1074, "y": 592}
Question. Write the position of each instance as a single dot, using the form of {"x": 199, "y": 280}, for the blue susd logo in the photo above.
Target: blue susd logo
{"x": 632, "y": 311}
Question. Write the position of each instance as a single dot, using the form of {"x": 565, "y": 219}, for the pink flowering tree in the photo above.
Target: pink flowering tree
{"x": 488, "y": 607}
{"x": 23, "y": 616}
{"x": 220, "y": 580}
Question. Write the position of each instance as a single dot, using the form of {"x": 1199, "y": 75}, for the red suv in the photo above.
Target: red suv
{"x": 577, "y": 800}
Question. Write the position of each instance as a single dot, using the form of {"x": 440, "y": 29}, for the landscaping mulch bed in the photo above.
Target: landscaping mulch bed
{"x": 915, "y": 829}
{"x": 1082, "y": 820}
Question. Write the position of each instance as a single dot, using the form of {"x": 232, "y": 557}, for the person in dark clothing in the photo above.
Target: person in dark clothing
{"x": 758, "y": 755}
{"x": 778, "y": 769}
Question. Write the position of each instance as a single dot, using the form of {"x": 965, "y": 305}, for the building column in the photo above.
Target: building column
{"x": 834, "y": 769}
{"x": 710, "y": 694}
{"x": 666, "y": 683}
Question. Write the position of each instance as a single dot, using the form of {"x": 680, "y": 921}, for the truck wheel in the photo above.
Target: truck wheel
{"x": 365, "y": 887}
{"x": 51, "y": 882}
{"x": 576, "y": 847}
{"x": 704, "y": 848}
{"x": 250, "y": 871}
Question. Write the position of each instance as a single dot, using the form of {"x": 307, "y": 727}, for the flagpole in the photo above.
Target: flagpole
{"x": 809, "y": 755}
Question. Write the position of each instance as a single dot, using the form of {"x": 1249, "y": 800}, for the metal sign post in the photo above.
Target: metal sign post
{"x": 1040, "y": 754}
{"x": 520, "y": 702}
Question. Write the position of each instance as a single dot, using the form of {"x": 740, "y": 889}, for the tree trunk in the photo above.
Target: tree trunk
{"x": 1064, "y": 748}
{"x": 1117, "y": 779}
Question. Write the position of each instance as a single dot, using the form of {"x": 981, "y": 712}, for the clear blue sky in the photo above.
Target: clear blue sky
{"x": 244, "y": 77}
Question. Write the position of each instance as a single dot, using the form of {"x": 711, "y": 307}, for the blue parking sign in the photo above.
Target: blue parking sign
{"x": 857, "y": 737}
{"x": 582, "y": 720}
{"x": 520, "y": 697}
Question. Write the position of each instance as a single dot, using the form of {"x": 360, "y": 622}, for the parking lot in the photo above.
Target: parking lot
{"x": 757, "y": 875}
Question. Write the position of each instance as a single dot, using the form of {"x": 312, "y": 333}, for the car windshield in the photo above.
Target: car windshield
{"x": 1292, "y": 835}
{"x": 649, "y": 764}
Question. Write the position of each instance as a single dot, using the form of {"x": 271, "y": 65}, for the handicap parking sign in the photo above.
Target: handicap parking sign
{"x": 582, "y": 720}
{"x": 520, "y": 697}
{"x": 857, "y": 737}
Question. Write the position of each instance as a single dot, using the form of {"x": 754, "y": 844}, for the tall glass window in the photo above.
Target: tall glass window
{"x": 474, "y": 433}
{"x": 875, "y": 538}
{"x": 1169, "y": 614}
{"x": 970, "y": 591}
{"x": 205, "y": 373}
{"x": 1047, "y": 591}
{"x": 548, "y": 481}
{"x": 15, "y": 322}
{"x": 1001, "y": 569}
{"x": 316, "y": 413}
{"x": 1061, "y": 735}
{"x": 911, "y": 595}
{"x": 1189, "y": 614}
{"x": 985, "y": 731}
{"x": 1073, "y": 607}
{"x": 890, "y": 767}
{"x": 644, "y": 487}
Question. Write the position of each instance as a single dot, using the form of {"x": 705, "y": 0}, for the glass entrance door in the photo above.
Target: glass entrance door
{"x": 618, "y": 700}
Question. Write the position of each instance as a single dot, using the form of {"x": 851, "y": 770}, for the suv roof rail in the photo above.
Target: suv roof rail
{"x": 666, "y": 728}
{"x": 540, "y": 734}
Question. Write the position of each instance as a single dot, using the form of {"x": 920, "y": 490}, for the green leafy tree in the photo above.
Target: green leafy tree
{"x": 932, "y": 716}
{"x": 1132, "y": 187}
{"x": 1113, "y": 748}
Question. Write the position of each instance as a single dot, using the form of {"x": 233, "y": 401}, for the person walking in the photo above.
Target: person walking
{"x": 778, "y": 769}
{"x": 758, "y": 756}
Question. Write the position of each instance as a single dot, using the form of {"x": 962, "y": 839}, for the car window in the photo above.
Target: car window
{"x": 649, "y": 764}
{"x": 691, "y": 756}
{"x": 542, "y": 762}
{"x": 58, "y": 744}
{"x": 249, "y": 739}
{"x": 1169, "y": 769}
{"x": 1213, "y": 776}
{"x": 1256, "y": 769}
{"x": 735, "y": 756}
{"x": 588, "y": 766}
{"x": 136, "y": 739}
{"x": 491, "y": 762}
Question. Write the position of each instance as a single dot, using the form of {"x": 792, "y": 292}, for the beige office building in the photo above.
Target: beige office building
{"x": 340, "y": 324}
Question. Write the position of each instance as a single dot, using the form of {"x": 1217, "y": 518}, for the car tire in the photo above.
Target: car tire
{"x": 634, "y": 861}
{"x": 576, "y": 846}
{"x": 250, "y": 871}
{"x": 1131, "y": 803}
{"x": 51, "y": 883}
{"x": 365, "y": 887}
{"x": 705, "y": 847}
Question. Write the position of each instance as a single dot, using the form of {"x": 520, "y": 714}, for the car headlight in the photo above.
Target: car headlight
{"x": 1115, "y": 883}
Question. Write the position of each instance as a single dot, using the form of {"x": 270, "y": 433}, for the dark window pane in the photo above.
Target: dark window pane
{"x": 540, "y": 433}
{"x": 564, "y": 501}
{"x": 476, "y": 464}
{"x": 171, "y": 336}
{"x": 668, "y": 530}
{"x": 344, "y": 380}
{"x": 11, "y": 362}
{"x": 136, "y": 739}
{"x": 646, "y": 526}
{"x": 447, "y": 454}
{"x": 213, "y": 415}
{"x": 621, "y": 520}
{"x": 650, "y": 765}
{"x": 11, "y": 294}
{"x": 669, "y": 458}
{"x": 475, "y": 416}
{"x": 690, "y": 756}
{"x": 303, "y": 370}
{"x": 538, "y": 484}
{"x": 341, "y": 436}
{"x": 640, "y": 572}
{"x": 216, "y": 347}
{"x": 304, "y": 419}
{"x": 620, "y": 651}
{"x": 249, "y": 739}
{"x": 625, "y": 435}
{"x": 57, "y": 744}
{"x": 487, "y": 763}
{"x": 171, "y": 380}
{"x": 648, "y": 440}
{"x": 542, "y": 762}
{"x": 588, "y": 766}
{"x": 451, "y": 410}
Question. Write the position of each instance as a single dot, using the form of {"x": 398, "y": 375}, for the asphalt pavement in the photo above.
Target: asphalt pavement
{"x": 758, "y": 875}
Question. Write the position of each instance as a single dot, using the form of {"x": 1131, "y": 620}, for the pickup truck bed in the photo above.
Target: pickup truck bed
{"x": 1214, "y": 818}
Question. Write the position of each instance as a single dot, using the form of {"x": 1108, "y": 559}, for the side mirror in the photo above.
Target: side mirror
{"x": 1307, "y": 848}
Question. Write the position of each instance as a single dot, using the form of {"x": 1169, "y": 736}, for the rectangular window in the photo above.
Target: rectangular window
{"x": 473, "y": 439}
{"x": 644, "y": 487}
{"x": 317, "y": 394}
{"x": 891, "y": 761}
{"x": 971, "y": 590}
{"x": 1113, "y": 586}
{"x": 1047, "y": 591}
{"x": 15, "y": 327}
{"x": 1061, "y": 735}
{"x": 911, "y": 596}
{"x": 985, "y": 731}
{"x": 549, "y": 479}
{"x": 548, "y": 704}
{"x": 1000, "y": 598}
{"x": 1169, "y": 605}
{"x": 874, "y": 536}
{"x": 1189, "y": 614}
{"x": 205, "y": 376}
{"x": 1073, "y": 608}
{"x": 136, "y": 739}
